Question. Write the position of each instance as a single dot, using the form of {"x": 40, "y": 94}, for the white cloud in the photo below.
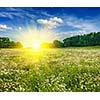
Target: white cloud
{"x": 88, "y": 25}
{"x": 6, "y": 14}
{"x": 4, "y": 27}
{"x": 68, "y": 34}
{"x": 51, "y": 22}
{"x": 17, "y": 12}
{"x": 79, "y": 26}
{"x": 56, "y": 19}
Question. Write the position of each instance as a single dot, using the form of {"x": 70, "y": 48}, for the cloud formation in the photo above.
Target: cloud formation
{"x": 4, "y": 27}
{"x": 51, "y": 22}
{"x": 87, "y": 25}
{"x": 79, "y": 26}
{"x": 61, "y": 22}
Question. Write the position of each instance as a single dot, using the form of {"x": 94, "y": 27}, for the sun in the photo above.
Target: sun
{"x": 36, "y": 45}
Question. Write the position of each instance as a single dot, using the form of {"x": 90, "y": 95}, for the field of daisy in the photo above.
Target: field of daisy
{"x": 50, "y": 70}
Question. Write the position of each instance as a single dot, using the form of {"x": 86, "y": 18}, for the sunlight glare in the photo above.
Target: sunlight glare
{"x": 36, "y": 45}
{"x": 33, "y": 37}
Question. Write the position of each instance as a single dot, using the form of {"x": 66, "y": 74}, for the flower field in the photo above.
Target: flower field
{"x": 50, "y": 70}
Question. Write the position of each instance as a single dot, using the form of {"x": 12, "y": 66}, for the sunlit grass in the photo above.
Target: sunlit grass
{"x": 70, "y": 69}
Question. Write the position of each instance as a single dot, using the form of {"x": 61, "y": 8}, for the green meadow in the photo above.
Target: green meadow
{"x": 74, "y": 69}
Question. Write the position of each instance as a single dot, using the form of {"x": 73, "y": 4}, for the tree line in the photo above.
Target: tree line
{"x": 92, "y": 39}
{"x": 5, "y": 42}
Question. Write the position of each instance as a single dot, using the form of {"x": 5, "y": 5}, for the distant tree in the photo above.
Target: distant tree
{"x": 12, "y": 44}
{"x": 57, "y": 44}
{"x": 6, "y": 43}
{"x": 18, "y": 45}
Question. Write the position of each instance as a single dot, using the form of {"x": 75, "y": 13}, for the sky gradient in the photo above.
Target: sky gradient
{"x": 48, "y": 23}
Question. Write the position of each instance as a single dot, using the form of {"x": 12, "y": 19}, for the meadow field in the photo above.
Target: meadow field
{"x": 74, "y": 69}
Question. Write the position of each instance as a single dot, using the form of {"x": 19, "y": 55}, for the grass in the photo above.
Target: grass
{"x": 50, "y": 70}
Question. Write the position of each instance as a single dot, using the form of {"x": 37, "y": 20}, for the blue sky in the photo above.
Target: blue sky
{"x": 62, "y": 22}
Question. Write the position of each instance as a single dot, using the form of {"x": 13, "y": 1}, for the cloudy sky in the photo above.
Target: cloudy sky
{"x": 54, "y": 23}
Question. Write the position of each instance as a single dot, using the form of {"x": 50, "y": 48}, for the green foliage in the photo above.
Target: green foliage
{"x": 6, "y": 43}
{"x": 92, "y": 39}
{"x": 50, "y": 70}
{"x": 57, "y": 44}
